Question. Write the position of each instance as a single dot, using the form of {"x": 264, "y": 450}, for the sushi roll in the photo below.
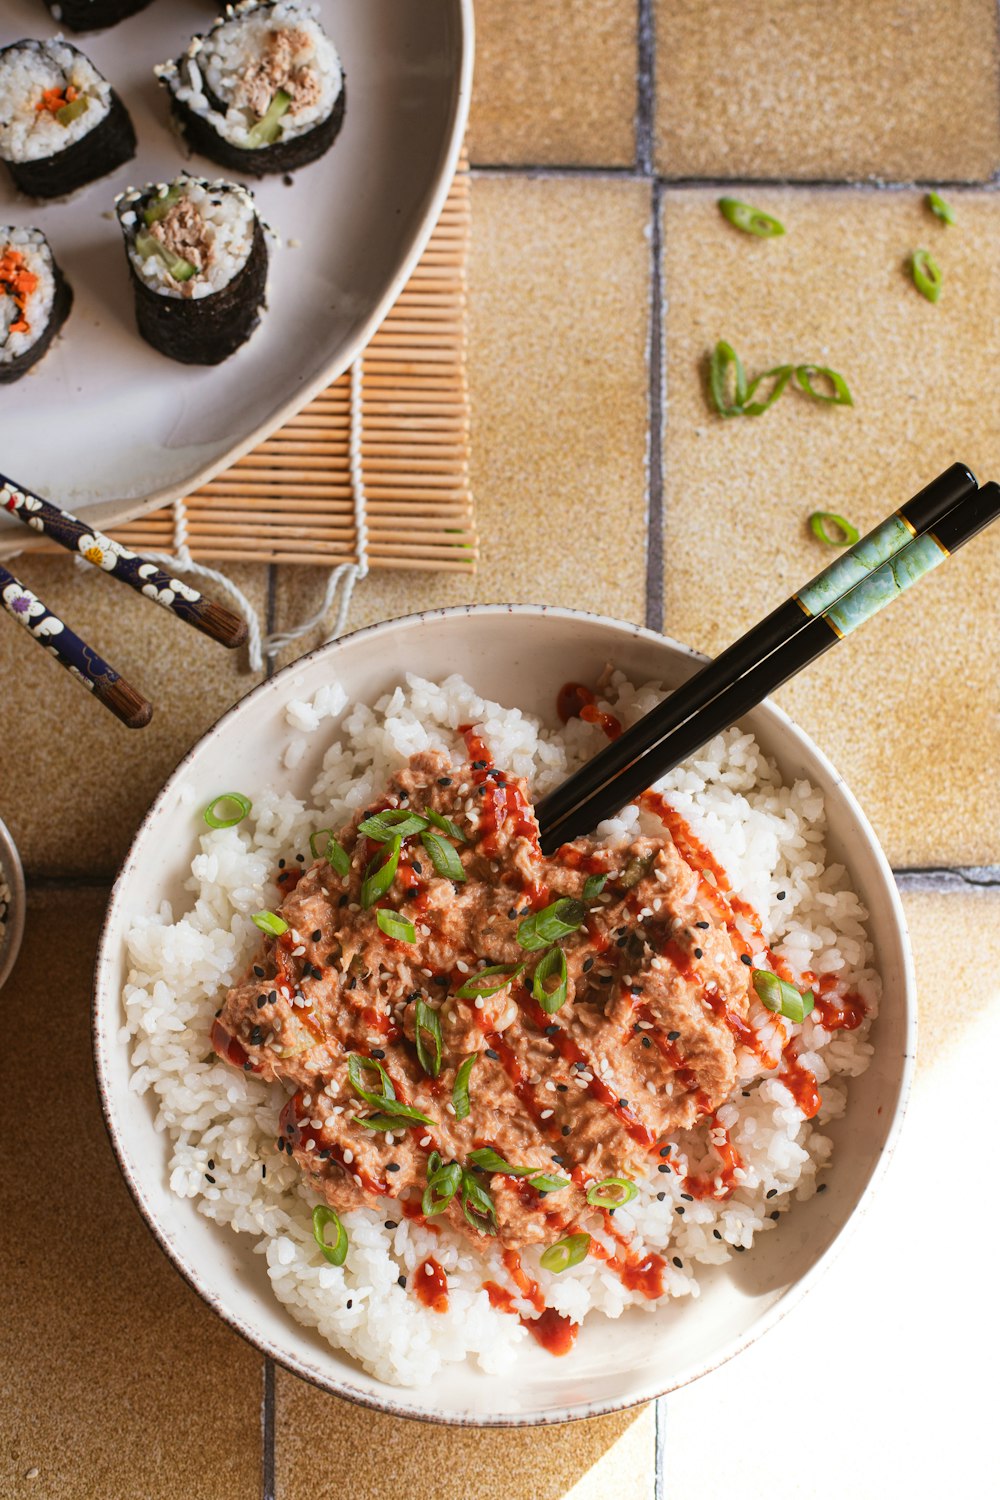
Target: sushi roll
{"x": 35, "y": 299}
{"x": 61, "y": 123}
{"x": 197, "y": 257}
{"x": 91, "y": 15}
{"x": 262, "y": 91}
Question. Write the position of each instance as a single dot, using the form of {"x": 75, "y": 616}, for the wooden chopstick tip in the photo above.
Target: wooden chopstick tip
{"x": 229, "y": 629}
{"x": 125, "y": 703}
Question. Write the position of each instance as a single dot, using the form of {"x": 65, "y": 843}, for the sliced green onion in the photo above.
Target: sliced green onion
{"x": 381, "y": 1121}
{"x": 394, "y": 1112}
{"x": 488, "y": 1160}
{"x": 426, "y": 1020}
{"x": 820, "y": 520}
{"x": 444, "y": 856}
{"x": 395, "y": 926}
{"x": 593, "y": 886}
{"x": 724, "y": 359}
{"x": 241, "y": 803}
{"x": 477, "y": 1205}
{"x": 550, "y": 965}
{"x": 926, "y": 274}
{"x": 550, "y": 924}
{"x": 938, "y": 206}
{"x": 393, "y": 823}
{"x": 543, "y": 1184}
{"x": 565, "y": 1253}
{"x": 323, "y": 845}
{"x": 613, "y": 1192}
{"x": 443, "y": 1183}
{"x": 483, "y": 984}
{"x": 380, "y": 874}
{"x": 269, "y": 922}
{"x": 445, "y": 824}
{"x": 460, "y": 1088}
{"x": 841, "y": 395}
{"x": 356, "y": 1068}
{"x": 777, "y": 995}
{"x": 781, "y": 375}
{"x": 750, "y": 220}
{"x": 336, "y": 1253}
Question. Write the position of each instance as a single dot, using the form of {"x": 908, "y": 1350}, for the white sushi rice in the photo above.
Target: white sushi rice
{"x": 220, "y": 1124}
{"x": 37, "y": 311}
{"x": 28, "y": 133}
{"x": 214, "y": 65}
{"x": 228, "y": 212}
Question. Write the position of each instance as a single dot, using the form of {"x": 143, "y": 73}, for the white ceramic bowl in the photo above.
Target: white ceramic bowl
{"x": 519, "y": 655}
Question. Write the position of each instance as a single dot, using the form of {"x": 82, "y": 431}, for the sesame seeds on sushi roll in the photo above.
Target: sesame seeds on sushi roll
{"x": 198, "y": 260}
{"x": 61, "y": 123}
{"x": 35, "y": 300}
{"x": 92, "y": 15}
{"x": 262, "y": 91}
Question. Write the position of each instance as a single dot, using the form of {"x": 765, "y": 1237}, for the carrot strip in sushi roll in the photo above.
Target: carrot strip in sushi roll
{"x": 92, "y": 15}
{"x": 262, "y": 91}
{"x": 198, "y": 260}
{"x": 35, "y": 300}
{"x": 61, "y": 123}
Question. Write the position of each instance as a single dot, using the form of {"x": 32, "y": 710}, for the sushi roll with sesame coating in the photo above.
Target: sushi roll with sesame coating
{"x": 262, "y": 91}
{"x": 93, "y": 15}
{"x": 35, "y": 300}
{"x": 61, "y": 123}
{"x": 198, "y": 261}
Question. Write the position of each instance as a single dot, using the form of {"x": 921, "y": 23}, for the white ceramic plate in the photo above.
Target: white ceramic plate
{"x": 521, "y": 656}
{"x": 106, "y": 425}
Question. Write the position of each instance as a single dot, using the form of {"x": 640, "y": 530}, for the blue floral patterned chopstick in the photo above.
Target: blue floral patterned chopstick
{"x": 74, "y": 654}
{"x": 145, "y": 577}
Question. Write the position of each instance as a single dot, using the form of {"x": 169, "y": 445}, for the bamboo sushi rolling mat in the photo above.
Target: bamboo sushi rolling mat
{"x": 291, "y": 500}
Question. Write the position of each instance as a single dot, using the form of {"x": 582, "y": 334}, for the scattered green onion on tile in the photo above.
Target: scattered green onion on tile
{"x": 821, "y": 520}
{"x": 750, "y": 220}
{"x": 926, "y": 274}
{"x": 839, "y": 396}
{"x": 940, "y": 208}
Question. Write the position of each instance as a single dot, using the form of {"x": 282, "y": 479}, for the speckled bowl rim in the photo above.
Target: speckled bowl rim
{"x": 13, "y": 872}
{"x": 390, "y": 1402}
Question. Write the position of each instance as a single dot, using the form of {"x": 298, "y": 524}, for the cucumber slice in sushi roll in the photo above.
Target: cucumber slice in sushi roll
{"x": 92, "y": 15}
{"x": 197, "y": 256}
{"x": 262, "y": 91}
{"x": 35, "y": 299}
{"x": 61, "y": 123}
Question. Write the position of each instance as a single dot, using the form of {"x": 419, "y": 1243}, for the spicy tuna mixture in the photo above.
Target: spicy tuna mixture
{"x": 610, "y": 1019}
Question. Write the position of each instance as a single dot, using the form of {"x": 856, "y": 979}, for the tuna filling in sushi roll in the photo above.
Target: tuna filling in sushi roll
{"x": 61, "y": 122}
{"x": 263, "y": 91}
{"x": 197, "y": 256}
{"x": 35, "y": 300}
{"x": 90, "y": 15}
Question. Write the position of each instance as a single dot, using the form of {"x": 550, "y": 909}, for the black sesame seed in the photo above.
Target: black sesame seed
{"x": 392, "y": 1166}
{"x": 317, "y": 935}
{"x": 746, "y": 959}
{"x": 413, "y": 890}
{"x": 211, "y": 1165}
{"x": 687, "y": 1197}
{"x": 391, "y": 1224}
{"x": 776, "y": 1214}
{"x": 352, "y": 983}
{"x": 418, "y": 867}
{"x": 620, "y": 942}
{"x": 563, "y": 1088}
{"x": 665, "y": 1150}
{"x": 746, "y": 1093}
{"x": 678, "y": 1263}
{"x": 272, "y": 997}
{"x": 646, "y": 1042}
{"x": 300, "y": 858}
{"x": 698, "y": 953}
{"x": 552, "y": 1031}
{"x": 344, "y": 899}
{"x": 377, "y": 1052}
{"x": 246, "y": 1066}
{"x": 444, "y": 781}
{"x": 660, "y": 1197}
{"x": 512, "y": 913}
{"x": 566, "y": 1130}
{"x": 560, "y": 1161}
{"x": 218, "y": 1013}
{"x": 349, "y": 1302}
{"x": 716, "y": 1235}
{"x": 281, "y": 864}
{"x": 822, "y": 1187}
{"x": 491, "y": 1054}
{"x": 256, "y": 1036}
{"x": 588, "y": 964}
{"x": 261, "y": 1001}
{"x": 702, "y": 925}
{"x": 664, "y": 1168}
{"x": 325, "y": 1154}
{"x": 782, "y": 895}
{"x": 525, "y": 911}
{"x": 258, "y": 971}
{"x": 680, "y": 1207}
{"x": 401, "y": 1281}
{"x": 672, "y": 1036}
{"x": 771, "y": 1193}
{"x": 210, "y": 1178}
{"x": 635, "y": 989}
{"x": 479, "y": 765}
{"x": 739, "y": 1248}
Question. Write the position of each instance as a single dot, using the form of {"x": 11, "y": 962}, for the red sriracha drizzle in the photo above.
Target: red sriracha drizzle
{"x": 501, "y": 802}
{"x": 578, "y": 702}
{"x": 431, "y": 1285}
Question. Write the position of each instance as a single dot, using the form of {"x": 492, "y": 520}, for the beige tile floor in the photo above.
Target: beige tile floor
{"x": 116, "y": 1380}
{"x": 805, "y": 89}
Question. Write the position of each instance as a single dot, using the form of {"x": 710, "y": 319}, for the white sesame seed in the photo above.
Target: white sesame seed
{"x": 550, "y": 1086}
{"x": 657, "y": 903}
{"x": 462, "y": 966}
{"x": 348, "y": 1155}
{"x": 357, "y": 1179}
{"x": 480, "y": 1003}
{"x": 298, "y": 952}
{"x": 425, "y": 1140}
{"x": 424, "y": 930}
{"x": 310, "y": 1145}
{"x": 546, "y": 1114}
{"x": 645, "y": 1025}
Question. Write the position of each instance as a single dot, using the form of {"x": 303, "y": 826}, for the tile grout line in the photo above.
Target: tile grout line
{"x": 655, "y": 513}
{"x": 645, "y": 81}
{"x": 660, "y": 1446}
{"x": 638, "y": 172}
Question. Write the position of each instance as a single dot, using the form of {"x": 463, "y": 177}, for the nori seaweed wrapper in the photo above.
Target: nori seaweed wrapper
{"x": 62, "y": 301}
{"x": 100, "y": 151}
{"x": 205, "y": 330}
{"x": 283, "y": 156}
{"x": 92, "y": 15}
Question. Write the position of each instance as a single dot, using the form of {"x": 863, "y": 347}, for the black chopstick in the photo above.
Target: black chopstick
{"x": 912, "y": 519}
{"x": 585, "y": 804}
